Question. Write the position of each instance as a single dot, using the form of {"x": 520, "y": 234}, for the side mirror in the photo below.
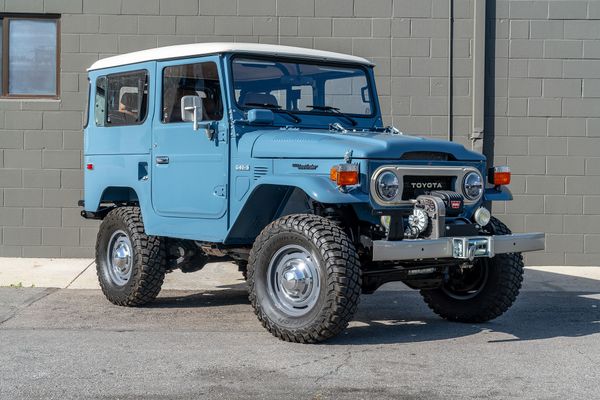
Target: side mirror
{"x": 364, "y": 94}
{"x": 192, "y": 110}
{"x": 260, "y": 116}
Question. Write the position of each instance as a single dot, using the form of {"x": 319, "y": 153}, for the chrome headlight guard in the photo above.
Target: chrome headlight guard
{"x": 401, "y": 170}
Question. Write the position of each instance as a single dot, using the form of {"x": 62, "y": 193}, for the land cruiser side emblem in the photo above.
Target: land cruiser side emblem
{"x": 426, "y": 185}
{"x": 305, "y": 166}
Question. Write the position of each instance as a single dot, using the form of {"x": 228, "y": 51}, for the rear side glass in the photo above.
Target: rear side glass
{"x": 86, "y": 112}
{"x": 200, "y": 79}
{"x": 100, "y": 101}
{"x": 121, "y": 99}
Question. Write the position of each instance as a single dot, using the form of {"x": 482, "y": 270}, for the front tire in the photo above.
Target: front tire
{"x": 130, "y": 265}
{"x": 480, "y": 293}
{"x": 304, "y": 278}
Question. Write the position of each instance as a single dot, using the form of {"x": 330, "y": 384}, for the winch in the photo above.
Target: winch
{"x": 428, "y": 218}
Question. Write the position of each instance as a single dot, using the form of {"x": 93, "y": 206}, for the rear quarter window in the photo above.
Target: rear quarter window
{"x": 121, "y": 99}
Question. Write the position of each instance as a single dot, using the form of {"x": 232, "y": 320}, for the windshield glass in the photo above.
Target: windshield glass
{"x": 301, "y": 86}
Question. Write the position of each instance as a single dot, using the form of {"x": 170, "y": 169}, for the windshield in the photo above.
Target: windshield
{"x": 301, "y": 86}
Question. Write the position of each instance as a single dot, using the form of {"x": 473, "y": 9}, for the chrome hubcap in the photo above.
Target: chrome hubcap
{"x": 293, "y": 280}
{"x": 119, "y": 257}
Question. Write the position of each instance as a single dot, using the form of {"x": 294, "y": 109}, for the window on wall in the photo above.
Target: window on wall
{"x": 121, "y": 99}
{"x": 29, "y": 60}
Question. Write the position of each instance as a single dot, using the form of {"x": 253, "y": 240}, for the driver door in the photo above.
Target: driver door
{"x": 189, "y": 168}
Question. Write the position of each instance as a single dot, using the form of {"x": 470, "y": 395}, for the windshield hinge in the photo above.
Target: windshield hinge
{"x": 348, "y": 156}
{"x": 392, "y": 130}
{"x": 336, "y": 126}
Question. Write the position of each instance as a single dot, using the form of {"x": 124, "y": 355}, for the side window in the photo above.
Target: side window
{"x": 100, "y": 101}
{"x": 121, "y": 99}
{"x": 201, "y": 79}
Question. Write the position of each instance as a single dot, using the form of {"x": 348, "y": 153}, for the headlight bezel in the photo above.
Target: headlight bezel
{"x": 466, "y": 190}
{"x": 378, "y": 182}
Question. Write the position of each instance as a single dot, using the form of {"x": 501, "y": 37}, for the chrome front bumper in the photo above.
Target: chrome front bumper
{"x": 467, "y": 247}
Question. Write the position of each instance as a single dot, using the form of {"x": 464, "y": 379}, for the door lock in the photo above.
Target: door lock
{"x": 162, "y": 160}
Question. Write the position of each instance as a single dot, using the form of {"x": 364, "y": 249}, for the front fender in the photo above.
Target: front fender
{"x": 497, "y": 194}
{"x": 273, "y": 195}
{"x": 319, "y": 188}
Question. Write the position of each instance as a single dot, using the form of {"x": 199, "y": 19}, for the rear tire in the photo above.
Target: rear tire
{"x": 488, "y": 289}
{"x": 130, "y": 265}
{"x": 304, "y": 278}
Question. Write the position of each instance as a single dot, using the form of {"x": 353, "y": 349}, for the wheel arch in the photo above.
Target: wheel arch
{"x": 119, "y": 194}
{"x": 264, "y": 204}
{"x": 98, "y": 204}
{"x": 269, "y": 201}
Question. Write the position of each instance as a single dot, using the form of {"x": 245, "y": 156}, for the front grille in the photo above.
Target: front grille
{"x": 415, "y": 185}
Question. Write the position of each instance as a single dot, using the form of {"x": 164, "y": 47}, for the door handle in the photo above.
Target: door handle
{"x": 162, "y": 160}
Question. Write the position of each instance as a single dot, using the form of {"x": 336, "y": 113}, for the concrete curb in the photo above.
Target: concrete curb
{"x": 81, "y": 274}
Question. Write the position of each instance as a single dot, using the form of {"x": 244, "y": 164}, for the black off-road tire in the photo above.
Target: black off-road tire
{"x": 505, "y": 275}
{"x": 149, "y": 259}
{"x": 339, "y": 270}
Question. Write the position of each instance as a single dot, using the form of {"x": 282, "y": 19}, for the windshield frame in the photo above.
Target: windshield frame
{"x": 366, "y": 69}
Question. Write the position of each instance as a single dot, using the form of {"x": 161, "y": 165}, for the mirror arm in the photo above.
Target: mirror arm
{"x": 197, "y": 124}
{"x": 209, "y": 129}
{"x": 195, "y": 120}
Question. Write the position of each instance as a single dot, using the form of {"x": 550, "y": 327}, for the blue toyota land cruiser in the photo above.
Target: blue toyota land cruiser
{"x": 276, "y": 158}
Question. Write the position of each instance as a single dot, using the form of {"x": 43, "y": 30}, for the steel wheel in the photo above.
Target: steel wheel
{"x": 119, "y": 258}
{"x": 466, "y": 284}
{"x": 293, "y": 280}
{"x": 130, "y": 264}
{"x": 482, "y": 292}
{"x": 303, "y": 278}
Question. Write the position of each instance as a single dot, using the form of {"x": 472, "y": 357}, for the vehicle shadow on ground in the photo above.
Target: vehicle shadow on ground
{"x": 397, "y": 317}
{"x": 227, "y": 295}
{"x": 401, "y": 316}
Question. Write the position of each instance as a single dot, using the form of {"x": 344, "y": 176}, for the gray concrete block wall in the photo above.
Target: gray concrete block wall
{"x": 548, "y": 93}
{"x": 545, "y": 111}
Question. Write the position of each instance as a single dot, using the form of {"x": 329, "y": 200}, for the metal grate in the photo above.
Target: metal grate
{"x": 415, "y": 185}
{"x": 425, "y": 155}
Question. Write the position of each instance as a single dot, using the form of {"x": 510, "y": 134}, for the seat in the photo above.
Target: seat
{"x": 128, "y": 110}
{"x": 129, "y": 103}
{"x": 173, "y": 103}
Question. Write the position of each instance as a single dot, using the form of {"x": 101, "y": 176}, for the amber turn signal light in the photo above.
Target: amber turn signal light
{"x": 499, "y": 176}
{"x": 344, "y": 174}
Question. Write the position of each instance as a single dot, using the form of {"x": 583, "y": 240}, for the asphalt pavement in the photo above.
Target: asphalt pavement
{"x": 73, "y": 344}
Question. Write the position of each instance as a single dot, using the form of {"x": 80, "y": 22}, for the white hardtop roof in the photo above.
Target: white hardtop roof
{"x": 199, "y": 49}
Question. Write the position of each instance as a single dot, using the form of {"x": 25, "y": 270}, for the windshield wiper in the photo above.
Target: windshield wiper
{"x": 333, "y": 110}
{"x": 277, "y": 108}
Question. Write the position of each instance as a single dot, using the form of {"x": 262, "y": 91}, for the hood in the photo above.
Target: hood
{"x": 364, "y": 145}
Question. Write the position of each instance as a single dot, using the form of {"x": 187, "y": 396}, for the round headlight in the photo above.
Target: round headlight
{"x": 387, "y": 186}
{"x": 473, "y": 186}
